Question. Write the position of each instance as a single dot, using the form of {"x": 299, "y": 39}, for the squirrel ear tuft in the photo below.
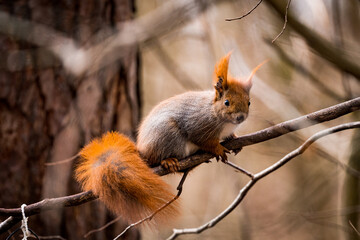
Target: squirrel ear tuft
{"x": 220, "y": 75}
{"x": 248, "y": 82}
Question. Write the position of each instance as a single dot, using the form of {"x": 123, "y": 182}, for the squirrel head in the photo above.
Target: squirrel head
{"x": 232, "y": 98}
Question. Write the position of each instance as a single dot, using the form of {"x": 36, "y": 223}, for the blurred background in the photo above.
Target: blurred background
{"x": 72, "y": 70}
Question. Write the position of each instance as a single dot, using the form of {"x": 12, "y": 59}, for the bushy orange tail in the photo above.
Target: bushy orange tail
{"x": 113, "y": 170}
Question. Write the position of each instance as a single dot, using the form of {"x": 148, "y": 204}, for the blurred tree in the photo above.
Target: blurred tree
{"x": 49, "y": 108}
{"x": 46, "y": 114}
{"x": 351, "y": 189}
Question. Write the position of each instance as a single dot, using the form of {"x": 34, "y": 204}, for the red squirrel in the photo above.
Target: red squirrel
{"x": 117, "y": 171}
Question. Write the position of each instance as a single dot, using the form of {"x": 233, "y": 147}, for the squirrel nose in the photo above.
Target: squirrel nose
{"x": 239, "y": 119}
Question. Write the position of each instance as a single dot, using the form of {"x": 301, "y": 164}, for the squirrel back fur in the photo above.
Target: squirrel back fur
{"x": 112, "y": 169}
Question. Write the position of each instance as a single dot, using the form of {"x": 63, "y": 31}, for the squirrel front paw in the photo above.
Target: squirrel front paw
{"x": 171, "y": 164}
{"x": 220, "y": 152}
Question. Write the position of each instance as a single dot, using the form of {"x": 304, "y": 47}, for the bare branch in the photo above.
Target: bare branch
{"x": 262, "y": 174}
{"x": 148, "y": 218}
{"x": 280, "y": 129}
{"x": 354, "y": 228}
{"x": 249, "y": 174}
{"x": 9, "y": 223}
{"x": 62, "y": 161}
{"x": 103, "y": 227}
{"x": 246, "y": 14}
{"x": 344, "y": 60}
{"x": 285, "y": 22}
{"x": 50, "y": 204}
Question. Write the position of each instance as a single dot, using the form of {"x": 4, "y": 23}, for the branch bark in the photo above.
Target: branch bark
{"x": 280, "y": 129}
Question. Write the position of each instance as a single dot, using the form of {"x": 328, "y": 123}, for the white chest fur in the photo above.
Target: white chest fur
{"x": 190, "y": 148}
{"x": 229, "y": 128}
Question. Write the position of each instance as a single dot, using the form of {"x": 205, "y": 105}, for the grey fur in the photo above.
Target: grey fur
{"x": 171, "y": 125}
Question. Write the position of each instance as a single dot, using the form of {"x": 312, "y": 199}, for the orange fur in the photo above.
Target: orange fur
{"x": 221, "y": 69}
{"x": 113, "y": 170}
{"x": 231, "y": 90}
{"x": 238, "y": 85}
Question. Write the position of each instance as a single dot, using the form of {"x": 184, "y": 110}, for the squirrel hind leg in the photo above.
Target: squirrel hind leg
{"x": 171, "y": 164}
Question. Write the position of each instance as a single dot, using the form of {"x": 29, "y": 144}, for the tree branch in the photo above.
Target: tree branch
{"x": 280, "y": 129}
{"x": 246, "y": 14}
{"x": 285, "y": 22}
{"x": 344, "y": 60}
{"x": 262, "y": 174}
{"x": 50, "y": 204}
{"x": 148, "y": 218}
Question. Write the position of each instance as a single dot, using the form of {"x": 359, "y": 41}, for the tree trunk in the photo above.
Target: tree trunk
{"x": 46, "y": 114}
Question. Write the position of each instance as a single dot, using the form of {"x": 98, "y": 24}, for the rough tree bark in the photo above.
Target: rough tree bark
{"x": 46, "y": 115}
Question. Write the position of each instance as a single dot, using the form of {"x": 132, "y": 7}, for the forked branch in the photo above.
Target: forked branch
{"x": 261, "y": 175}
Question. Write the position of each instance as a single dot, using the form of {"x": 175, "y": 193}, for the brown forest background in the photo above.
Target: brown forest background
{"x": 54, "y": 99}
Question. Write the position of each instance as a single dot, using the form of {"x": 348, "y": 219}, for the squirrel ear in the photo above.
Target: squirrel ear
{"x": 220, "y": 75}
{"x": 248, "y": 82}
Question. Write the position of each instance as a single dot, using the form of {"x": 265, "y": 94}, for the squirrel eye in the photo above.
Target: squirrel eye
{"x": 227, "y": 103}
{"x": 249, "y": 103}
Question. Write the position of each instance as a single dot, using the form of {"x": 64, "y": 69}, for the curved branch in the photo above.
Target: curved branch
{"x": 246, "y": 14}
{"x": 285, "y": 22}
{"x": 50, "y": 204}
{"x": 262, "y": 174}
{"x": 344, "y": 60}
{"x": 280, "y": 129}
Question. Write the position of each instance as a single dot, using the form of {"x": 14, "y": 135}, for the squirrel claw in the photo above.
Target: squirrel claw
{"x": 224, "y": 157}
{"x": 222, "y": 154}
{"x": 236, "y": 151}
{"x": 171, "y": 164}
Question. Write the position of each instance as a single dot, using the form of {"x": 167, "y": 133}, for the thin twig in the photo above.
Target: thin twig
{"x": 246, "y": 14}
{"x": 285, "y": 22}
{"x": 353, "y": 227}
{"x": 62, "y": 161}
{"x": 262, "y": 174}
{"x": 148, "y": 218}
{"x": 249, "y": 174}
{"x": 341, "y": 59}
{"x": 103, "y": 227}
